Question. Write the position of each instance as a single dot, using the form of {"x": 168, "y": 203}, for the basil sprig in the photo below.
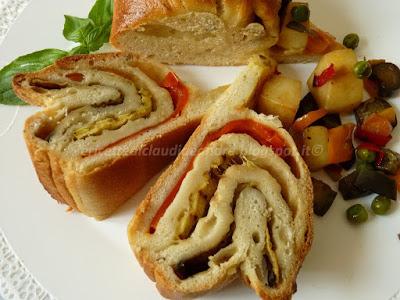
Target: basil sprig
{"x": 91, "y": 33}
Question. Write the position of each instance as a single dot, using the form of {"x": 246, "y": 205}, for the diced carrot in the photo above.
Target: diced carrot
{"x": 303, "y": 122}
{"x": 340, "y": 145}
{"x": 378, "y": 125}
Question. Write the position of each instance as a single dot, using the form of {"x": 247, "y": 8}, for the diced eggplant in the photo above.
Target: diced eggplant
{"x": 323, "y": 197}
{"x": 349, "y": 190}
{"x": 309, "y": 104}
{"x": 330, "y": 121}
{"x": 334, "y": 172}
{"x": 376, "y": 182}
{"x": 387, "y": 75}
{"x": 378, "y": 106}
{"x": 390, "y": 162}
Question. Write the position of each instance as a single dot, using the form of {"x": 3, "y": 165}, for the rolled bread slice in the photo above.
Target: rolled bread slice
{"x": 237, "y": 202}
{"x": 109, "y": 123}
{"x": 220, "y": 32}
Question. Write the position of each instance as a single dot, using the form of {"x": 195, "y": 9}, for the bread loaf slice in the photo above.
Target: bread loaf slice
{"x": 196, "y": 32}
{"x": 109, "y": 123}
{"x": 237, "y": 202}
{"x": 212, "y": 33}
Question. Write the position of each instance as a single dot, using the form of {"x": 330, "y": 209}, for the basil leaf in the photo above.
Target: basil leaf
{"x": 81, "y": 49}
{"x": 102, "y": 12}
{"x": 75, "y": 29}
{"x": 27, "y": 63}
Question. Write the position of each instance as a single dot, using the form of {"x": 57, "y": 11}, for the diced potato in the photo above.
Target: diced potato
{"x": 315, "y": 147}
{"x": 290, "y": 39}
{"x": 281, "y": 97}
{"x": 345, "y": 91}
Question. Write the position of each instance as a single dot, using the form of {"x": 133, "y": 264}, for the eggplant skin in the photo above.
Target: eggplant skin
{"x": 376, "y": 182}
{"x": 349, "y": 190}
{"x": 369, "y": 107}
{"x": 323, "y": 197}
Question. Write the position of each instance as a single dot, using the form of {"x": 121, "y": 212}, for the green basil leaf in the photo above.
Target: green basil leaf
{"x": 28, "y": 63}
{"x": 102, "y": 12}
{"x": 75, "y": 29}
{"x": 96, "y": 38}
{"x": 81, "y": 49}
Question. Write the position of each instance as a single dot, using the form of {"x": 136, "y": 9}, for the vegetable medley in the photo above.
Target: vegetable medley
{"x": 353, "y": 154}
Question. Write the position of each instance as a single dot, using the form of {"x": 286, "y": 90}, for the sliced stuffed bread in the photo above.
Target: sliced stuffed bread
{"x": 217, "y": 32}
{"x": 237, "y": 202}
{"x": 109, "y": 123}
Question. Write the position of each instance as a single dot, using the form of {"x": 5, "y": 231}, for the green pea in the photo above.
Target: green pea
{"x": 366, "y": 155}
{"x": 300, "y": 13}
{"x": 362, "y": 69}
{"x": 351, "y": 41}
{"x": 381, "y": 205}
{"x": 357, "y": 214}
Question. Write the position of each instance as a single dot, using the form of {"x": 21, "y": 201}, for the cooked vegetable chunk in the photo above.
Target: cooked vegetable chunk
{"x": 389, "y": 162}
{"x": 387, "y": 75}
{"x": 315, "y": 141}
{"x": 340, "y": 145}
{"x": 378, "y": 106}
{"x": 349, "y": 190}
{"x": 376, "y": 182}
{"x": 323, "y": 197}
{"x": 290, "y": 39}
{"x": 344, "y": 91}
{"x": 281, "y": 97}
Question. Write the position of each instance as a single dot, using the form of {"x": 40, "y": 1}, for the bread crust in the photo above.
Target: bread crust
{"x": 100, "y": 191}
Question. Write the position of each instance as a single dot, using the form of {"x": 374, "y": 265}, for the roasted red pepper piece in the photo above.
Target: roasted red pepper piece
{"x": 179, "y": 92}
{"x": 326, "y": 75}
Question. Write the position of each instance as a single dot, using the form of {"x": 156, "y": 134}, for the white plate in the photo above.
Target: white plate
{"x": 78, "y": 258}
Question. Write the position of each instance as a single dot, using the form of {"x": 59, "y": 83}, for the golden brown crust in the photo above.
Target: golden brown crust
{"x": 41, "y": 162}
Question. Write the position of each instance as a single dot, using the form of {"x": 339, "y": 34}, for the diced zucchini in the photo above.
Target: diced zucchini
{"x": 281, "y": 97}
